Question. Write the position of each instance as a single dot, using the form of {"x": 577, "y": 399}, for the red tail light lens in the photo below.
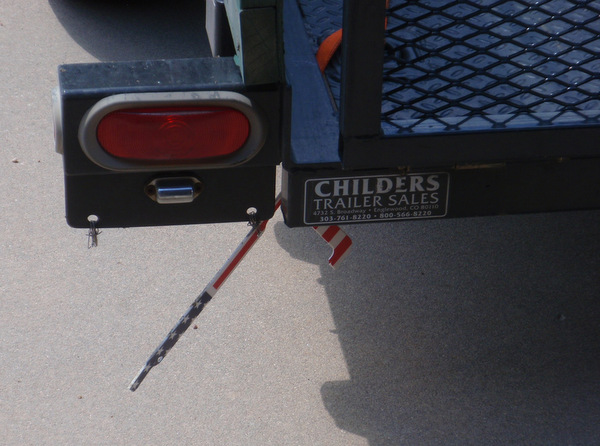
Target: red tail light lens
{"x": 178, "y": 134}
{"x": 172, "y": 130}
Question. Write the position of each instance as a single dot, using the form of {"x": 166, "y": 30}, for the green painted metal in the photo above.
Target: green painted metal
{"x": 256, "y": 28}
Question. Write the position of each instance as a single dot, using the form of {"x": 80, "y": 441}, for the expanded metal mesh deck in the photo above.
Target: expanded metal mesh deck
{"x": 453, "y": 66}
{"x": 491, "y": 64}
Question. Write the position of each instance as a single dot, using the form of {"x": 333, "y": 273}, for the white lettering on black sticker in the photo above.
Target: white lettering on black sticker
{"x": 376, "y": 198}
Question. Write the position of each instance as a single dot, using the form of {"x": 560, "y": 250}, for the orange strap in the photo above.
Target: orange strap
{"x": 330, "y": 45}
{"x": 328, "y": 48}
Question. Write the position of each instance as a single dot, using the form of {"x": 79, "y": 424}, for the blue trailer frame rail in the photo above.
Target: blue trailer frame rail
{"x": 442, "y": 109}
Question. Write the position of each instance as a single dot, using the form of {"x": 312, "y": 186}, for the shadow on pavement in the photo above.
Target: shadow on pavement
{"x": 474, "y": 331}
{"x": 114, "y": 30}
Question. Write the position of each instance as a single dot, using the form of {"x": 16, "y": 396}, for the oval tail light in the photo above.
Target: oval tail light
{"x": 151, "y": 131}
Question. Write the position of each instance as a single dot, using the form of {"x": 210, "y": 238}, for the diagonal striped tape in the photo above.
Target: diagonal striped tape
{"x": 337, "y": 239}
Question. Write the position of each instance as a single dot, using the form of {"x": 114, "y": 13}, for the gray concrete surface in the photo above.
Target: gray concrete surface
{"x": 454, "y": 332}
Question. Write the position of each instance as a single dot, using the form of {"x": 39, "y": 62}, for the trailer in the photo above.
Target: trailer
{"x": 428, "y": 110}
{"x": 376, "y": 111}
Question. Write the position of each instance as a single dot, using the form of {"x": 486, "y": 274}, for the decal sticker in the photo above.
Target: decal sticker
{"x": 361, "y": 199}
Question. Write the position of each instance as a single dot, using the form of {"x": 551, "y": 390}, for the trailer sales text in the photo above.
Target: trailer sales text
{"x": 376, "y": 191}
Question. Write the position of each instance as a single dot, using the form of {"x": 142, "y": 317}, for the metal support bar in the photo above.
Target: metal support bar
{"x": 362, "y": 55}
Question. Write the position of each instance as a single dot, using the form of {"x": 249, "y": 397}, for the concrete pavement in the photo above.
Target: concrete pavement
{"x": 478, "y": 331}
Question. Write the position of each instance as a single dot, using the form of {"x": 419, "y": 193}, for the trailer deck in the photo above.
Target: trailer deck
{"x": 501, "y": 96}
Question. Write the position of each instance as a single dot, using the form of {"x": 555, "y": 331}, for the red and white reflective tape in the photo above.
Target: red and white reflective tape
{"x": 333, "y": 235}
{"x": 337, "y": 239}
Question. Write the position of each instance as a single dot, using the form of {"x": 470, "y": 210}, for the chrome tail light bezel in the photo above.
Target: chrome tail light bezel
{"x": 88, "y": 139}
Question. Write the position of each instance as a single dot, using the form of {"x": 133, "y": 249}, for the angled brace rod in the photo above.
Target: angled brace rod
{"x": 198, "y": 305}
